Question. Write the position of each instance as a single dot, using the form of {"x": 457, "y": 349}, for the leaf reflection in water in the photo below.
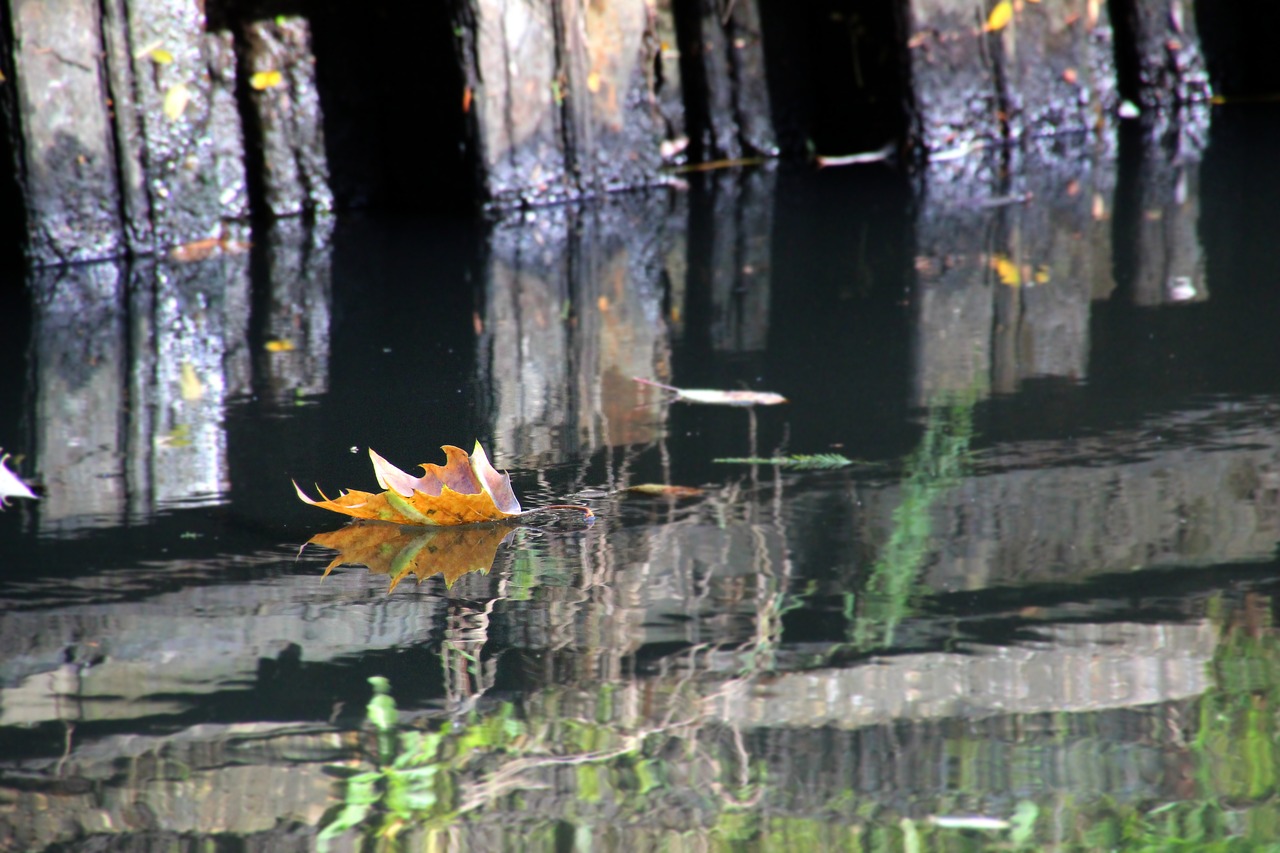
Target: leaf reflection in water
{"x": 397, "y": 551}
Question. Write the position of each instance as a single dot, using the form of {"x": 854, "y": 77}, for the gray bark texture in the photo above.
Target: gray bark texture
{"x": 66, "y": 154}
{"x": 561, "y": 96}
{"x": 996, "y": 71}
{"x": 295, "y": 171}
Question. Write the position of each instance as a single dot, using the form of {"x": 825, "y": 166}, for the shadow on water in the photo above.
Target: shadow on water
{"x": 1036, "y": 608}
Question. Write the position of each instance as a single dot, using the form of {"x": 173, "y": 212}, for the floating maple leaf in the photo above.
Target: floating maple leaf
{"x": 465, "y": 490}
{"x": 397, "y": 551}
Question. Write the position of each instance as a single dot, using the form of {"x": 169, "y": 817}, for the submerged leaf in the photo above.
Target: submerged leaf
{"x": 718, "y": 398}
{"x": 398, "y": 551}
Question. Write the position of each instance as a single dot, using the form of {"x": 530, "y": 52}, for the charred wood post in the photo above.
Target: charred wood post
{"x": 179, "y": 118}
{"x": 1161, "y": 56}
{"x": 294, "y": 171}
{"x": 561, "y": 96}
{"x": 722, "y": 62}
{"x": 993, "y": 72}
{"x": 65, "y": 151}
{"x": 126, "y": 131}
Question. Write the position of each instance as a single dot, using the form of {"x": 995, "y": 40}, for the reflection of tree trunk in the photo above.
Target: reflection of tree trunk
{"x": 1168, "y": 257}
{"x": 81, "y": 357}
{"x": 573, "y": 311}
{"x": 191, "y": 326}
{"x": 131, "y": 419}
{"x": 1005, "y": 278}
{"x": 1059, "y": 245}
{"x": 299, "y": 267}
{"x": 954, "y": 302}
{"x": 734, "y": 226}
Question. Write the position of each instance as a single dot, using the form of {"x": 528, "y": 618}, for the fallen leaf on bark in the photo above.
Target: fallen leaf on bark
{"x": 1000, "y": 17}
{"x": 714, "y": 397}
{"x": 398, "y": 551}
{"x": 465, "y": 490}
{"x": 176, "y": 98}
{"x": 262, "y": 80}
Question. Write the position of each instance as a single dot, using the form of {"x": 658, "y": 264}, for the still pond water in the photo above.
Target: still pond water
{"x": 1037, "y": 613}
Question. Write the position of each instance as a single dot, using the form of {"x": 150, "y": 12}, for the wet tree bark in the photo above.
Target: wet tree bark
{"x": 561, "y": 96}
{"x": 722, "y": 53}
{"x": 978, "y": 76}
{"x": 65, "y": 154}
{"x": 294, "y": 171}
{"x": 181, "y": 121}
{"x": 1161, "y": 49}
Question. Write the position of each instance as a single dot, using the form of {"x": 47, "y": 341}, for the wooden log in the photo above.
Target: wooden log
{"x": 180, "y": 131}
{"x": 134, "y": 197}
{"x": 290, "y": 136}
{"x": 722, "y": 52}
{"x": 560, "y": 96}
{"x": 955, "y": 92}
{"x": 66, "y": 159}
{"x": 668, "y": 84}
{"x": 999, "y": 71}
{"x": 1161, "y": 44}
{"x": 228, "y": 145}
{"x": 1058, "y": 69}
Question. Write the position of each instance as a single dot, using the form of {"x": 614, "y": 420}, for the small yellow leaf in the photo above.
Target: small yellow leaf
{"x": 176, "y": 100}
{"x": 279, "y": 345}
{"x": 1006, "y": 270}
{"x": 190, "y": 384}
{"x": 1043, "y": 274}
{"x": 160, "y": 56}
{"x": 593, "y": 82}
{"x": 263, "y": 80}
{"x": 1000, "y": 17}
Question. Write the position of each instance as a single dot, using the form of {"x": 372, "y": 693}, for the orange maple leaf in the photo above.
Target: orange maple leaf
{"x": 465, "y": 490}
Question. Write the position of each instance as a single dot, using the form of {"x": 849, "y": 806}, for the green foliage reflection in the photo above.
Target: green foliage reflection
{"x": 936, "y": 466}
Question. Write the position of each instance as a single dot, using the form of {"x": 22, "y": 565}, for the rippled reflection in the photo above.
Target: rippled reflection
{"x": 1042, "y": 607}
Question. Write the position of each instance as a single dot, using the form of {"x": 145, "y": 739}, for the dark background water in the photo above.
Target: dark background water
{"x": 1050, "y": 587}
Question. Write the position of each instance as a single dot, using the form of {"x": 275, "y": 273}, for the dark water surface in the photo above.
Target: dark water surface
{"x": 1039, "y": 613}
